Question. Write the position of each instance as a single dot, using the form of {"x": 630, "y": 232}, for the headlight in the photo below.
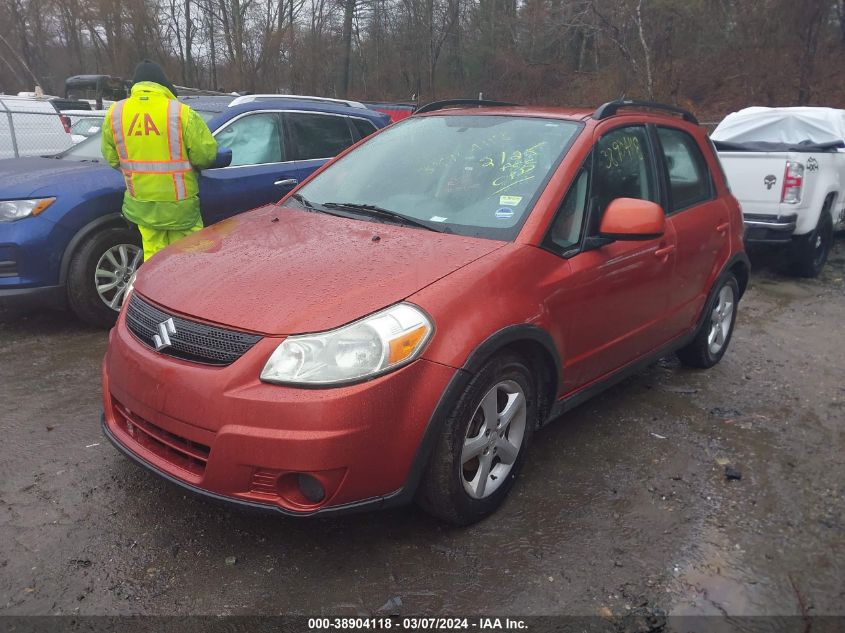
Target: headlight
{"x": 11, "y": 210}
{"x": 363, "y": 349}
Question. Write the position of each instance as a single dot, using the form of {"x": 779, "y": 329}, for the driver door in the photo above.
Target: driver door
{"x": 613, "y": 300}
{"x": 259, "y": 161}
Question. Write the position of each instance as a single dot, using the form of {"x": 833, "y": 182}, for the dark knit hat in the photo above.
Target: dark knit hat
{"x": 150, "y": 71}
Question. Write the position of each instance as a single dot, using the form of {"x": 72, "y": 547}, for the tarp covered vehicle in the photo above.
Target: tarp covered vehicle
{"x": 786, "y": 166}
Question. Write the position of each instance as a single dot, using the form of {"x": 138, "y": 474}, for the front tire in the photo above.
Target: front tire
{"x": 712, "y": 339}
{"x": 483, "y": 444}
{"x": 810, "y": 251}
{"x": 99, "y": 272}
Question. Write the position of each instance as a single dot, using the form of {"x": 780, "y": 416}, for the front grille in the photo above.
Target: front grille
{"x": 179, "y": 451}
{"x": 192, "y": 341}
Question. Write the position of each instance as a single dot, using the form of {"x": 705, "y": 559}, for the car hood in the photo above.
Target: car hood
{"x": 287, "y": 271}
{"x": 23, "y": 177}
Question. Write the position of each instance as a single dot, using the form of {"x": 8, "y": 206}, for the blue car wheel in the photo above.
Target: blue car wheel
{"x": 99, "y": 274}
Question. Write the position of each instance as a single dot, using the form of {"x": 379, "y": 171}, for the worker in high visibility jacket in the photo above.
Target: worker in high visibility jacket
{"x": 157, "y": 142}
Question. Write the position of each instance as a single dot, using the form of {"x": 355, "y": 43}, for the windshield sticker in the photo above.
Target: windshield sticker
{"x": 504, "y": 213}
{"x": 436, "y": 218}
{"x": 511, "y": 201}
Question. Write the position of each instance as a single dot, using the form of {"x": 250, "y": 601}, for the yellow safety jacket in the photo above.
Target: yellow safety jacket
{"x": 157, "y": 142}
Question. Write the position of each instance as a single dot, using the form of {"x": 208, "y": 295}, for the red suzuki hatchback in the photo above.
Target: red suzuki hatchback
{"x": 400, "y": 326}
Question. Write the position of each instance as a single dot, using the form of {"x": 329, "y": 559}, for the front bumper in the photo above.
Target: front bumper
{"x": 368, "y": 504}
{"x": 220, "y": 432}
{"x": 31, "y": 251}
{"x": 769, "y": 229}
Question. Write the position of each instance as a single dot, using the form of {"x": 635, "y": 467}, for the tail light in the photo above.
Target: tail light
{"x": 793, "y": 182}
{"x": 65, "y": 122}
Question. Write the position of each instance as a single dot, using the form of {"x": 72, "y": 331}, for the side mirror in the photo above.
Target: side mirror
{"x": 632, "y": 219}
{"x": 223, "y": 158}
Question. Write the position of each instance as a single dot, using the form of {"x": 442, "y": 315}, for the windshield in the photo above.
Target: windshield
{"x": 87, "y": 126}
{"x": 471, "y": 175}
{"x": 89, "y": 149}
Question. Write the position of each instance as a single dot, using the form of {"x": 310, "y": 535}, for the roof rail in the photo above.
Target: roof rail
{"x": 612, "y": 107}
{"x": 477, "y": 103}
{"x": 263, "y": 97}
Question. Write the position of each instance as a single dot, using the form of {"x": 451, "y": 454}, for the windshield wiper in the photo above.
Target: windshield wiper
{"x": 381, "y": 212}
{"x": 304, "y": 201}
{"x": 311, "y": 206}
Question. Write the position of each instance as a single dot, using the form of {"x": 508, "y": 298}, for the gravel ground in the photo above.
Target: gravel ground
{"x": 624, "y": 503}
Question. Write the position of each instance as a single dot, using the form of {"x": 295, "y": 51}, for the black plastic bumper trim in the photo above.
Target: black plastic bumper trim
{"x": 38, "y": 297}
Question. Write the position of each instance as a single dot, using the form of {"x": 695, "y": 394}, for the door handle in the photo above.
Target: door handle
{"x": 665, "y": 251}
{"x": 723, "y": 228}
{"x": 288, "y": 182}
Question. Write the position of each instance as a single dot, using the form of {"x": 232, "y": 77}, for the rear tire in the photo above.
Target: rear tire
{"x": 105, "y": 258}
{"x": 483, "y": 443}
{"x": 810, "y": 251}
{"x": 712, "y": 339}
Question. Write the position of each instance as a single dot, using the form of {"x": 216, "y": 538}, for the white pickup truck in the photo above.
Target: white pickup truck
{"x": 786, "y": 166}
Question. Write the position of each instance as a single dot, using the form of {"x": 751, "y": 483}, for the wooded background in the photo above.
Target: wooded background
{"x": 711, "y": 56}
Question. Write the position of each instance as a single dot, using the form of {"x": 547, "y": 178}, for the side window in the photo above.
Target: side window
{"x": 254, "y": 139}
{"x": 363, "y": 127}
{"x": 689, "y": 179}
{"x": 319, "y": 135}
{"x": 623, "y": 167}
{"x": 566, "y": 227}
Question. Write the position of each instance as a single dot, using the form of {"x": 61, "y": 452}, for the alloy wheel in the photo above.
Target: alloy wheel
{"x": 113, "y": 272}
{"x": 493, "y": 439}
{"x": 721, "y": 320}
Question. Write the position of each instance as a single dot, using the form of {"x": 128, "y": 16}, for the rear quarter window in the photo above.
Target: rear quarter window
{"x": 363, "y": 127}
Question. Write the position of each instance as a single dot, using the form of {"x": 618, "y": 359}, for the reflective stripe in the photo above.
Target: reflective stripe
{"x": 174, "y": 144}
{"x": 117, "y": 130}
{"x": 174, "y": 129}
{"x": 120, "y": 143}
{"x": 179, "y": 185}
{"x": 156, "y": 166}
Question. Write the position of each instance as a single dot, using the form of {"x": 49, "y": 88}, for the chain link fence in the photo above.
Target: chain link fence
{"x": 32, "y": 128}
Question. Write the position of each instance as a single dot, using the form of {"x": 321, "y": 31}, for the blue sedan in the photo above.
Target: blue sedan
{"x": 63, "y": 241}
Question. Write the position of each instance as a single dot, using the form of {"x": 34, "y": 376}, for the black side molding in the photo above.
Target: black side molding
{"x": 511, "y": 334}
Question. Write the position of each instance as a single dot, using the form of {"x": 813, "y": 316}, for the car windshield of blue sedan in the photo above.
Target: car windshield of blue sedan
{"x": 88, "y": 149}
{"x": 465, "y": 174}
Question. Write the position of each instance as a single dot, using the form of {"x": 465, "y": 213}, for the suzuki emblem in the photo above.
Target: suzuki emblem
{"x": 165, "y": 330}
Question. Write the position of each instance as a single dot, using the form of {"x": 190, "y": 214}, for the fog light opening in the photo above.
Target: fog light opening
{"x": 311, "y": 488}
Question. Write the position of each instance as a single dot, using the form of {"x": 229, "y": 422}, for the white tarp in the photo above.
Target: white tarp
{"x": 782, "y": 125}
